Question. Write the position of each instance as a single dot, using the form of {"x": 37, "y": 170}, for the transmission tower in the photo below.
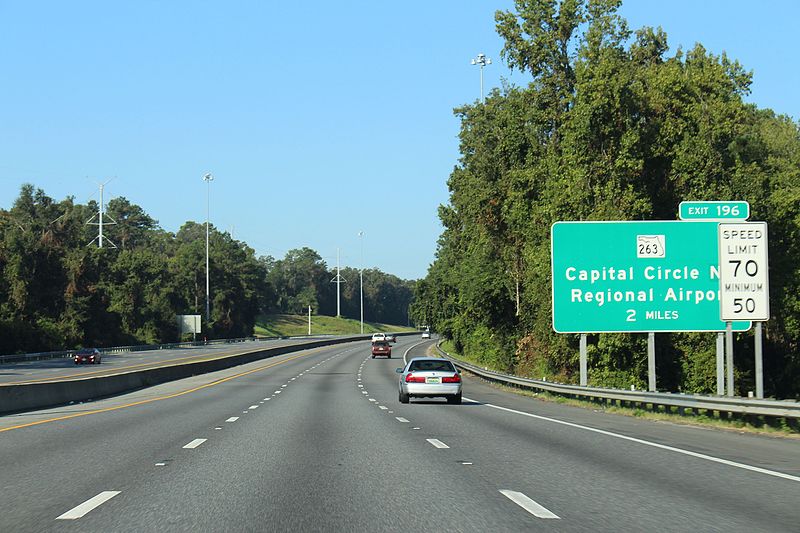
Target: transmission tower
{"x": 100, "y": 222}
{"x": 338, "y": 280}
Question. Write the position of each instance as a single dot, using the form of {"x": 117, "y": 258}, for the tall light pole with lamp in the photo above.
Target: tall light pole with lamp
{"x": 361, "y": 277}
{"x": 208, "y": 178}
{"x": 482, "y": 61}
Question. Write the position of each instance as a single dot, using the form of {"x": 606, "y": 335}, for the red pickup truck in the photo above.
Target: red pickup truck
{"x": 381, "y": 348}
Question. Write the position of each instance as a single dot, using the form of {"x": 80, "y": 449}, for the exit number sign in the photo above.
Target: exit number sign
{"x": 714, "y": 210}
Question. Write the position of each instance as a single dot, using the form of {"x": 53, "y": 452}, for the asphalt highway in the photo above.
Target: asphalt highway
{"x": 317, "y": 440}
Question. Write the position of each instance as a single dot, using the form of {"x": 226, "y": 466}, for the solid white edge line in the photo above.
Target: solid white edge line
{"x": 405, "y": 362}
{"x": 438, "y": 443}
{"x": 194, "y": 444}
{"x": 649, "y": 443}
{"x": 88, "y": 505}
{"x": 529, "y": 505}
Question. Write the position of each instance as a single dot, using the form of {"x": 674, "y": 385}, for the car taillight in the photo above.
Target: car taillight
{"x": 454, "y": 379}
{"x": 411, "y": 378}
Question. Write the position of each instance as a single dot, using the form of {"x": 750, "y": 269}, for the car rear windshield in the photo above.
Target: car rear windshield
{"x": 380, "y": 343}
{"x": 432, "y": 366}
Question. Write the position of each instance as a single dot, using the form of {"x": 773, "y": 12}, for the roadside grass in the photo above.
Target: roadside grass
{"x": 295, "y": 325}
{"x": 701, "y": 418}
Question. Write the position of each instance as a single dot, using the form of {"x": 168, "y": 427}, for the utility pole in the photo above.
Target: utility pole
{"x": 100, "y": 238}
{"x": 482, "y": 61}
{"x": 338, "y": 280}
{"x": 309, "y": 320}
{"x": 208, "y": 178}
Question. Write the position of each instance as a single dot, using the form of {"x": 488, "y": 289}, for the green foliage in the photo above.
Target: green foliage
{"x": 609, "y": 128}
{"x": 302, "y": 278}
{"x": 56, "y": 292}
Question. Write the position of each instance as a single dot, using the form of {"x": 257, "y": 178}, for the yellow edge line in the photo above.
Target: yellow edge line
{"x": 155, "y": 364}
{"x": 188, "y": 391}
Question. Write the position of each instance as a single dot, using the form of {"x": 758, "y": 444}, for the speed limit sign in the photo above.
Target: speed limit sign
{"x": 743, "y": 271}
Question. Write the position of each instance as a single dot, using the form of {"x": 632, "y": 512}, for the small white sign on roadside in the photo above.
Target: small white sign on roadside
{"x": 189, "y": 324}
{"x": 743, "y": 271}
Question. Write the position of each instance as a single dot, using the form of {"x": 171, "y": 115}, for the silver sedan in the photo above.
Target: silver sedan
{"x": 430, "y": 377}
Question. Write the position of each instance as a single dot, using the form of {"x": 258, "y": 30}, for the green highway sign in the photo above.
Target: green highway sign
{"x": 636, "y": 277}
{"x": 728, "y": 211}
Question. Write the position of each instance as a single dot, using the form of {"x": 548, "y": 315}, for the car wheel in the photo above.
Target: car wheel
{"x": 389, "y": 356}
{"x": 454, "y": 399}
{"x": 403, "y": 397}
{"x": 373, "y": 356}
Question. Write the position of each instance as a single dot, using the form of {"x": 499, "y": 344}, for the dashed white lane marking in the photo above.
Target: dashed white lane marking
{"x": 383, "y": 407}
{"x": 161, "y": 464}
{"x": 278, "y": 392}
{"x": 283, "y": 386}
{"x": 194, "y": 444}
{"x": 88, "y": 505}
{"x": 529, "y": 505}
{"x": 438, "y": 443}
{"x": 648, "y": 443}
{"x": 373, "y": 400}
{"x": 253, "y": 407}
{"x": 232, "y": 419}
{"x": 364, "y": 392}
{"x": 401, "y": 419}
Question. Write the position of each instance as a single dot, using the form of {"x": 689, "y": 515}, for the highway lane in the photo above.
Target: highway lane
{"x": 301, "y": 447}
{"x": 64, "y": 369}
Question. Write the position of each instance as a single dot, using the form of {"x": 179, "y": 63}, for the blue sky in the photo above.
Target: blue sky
{"x": 317, "y": 119}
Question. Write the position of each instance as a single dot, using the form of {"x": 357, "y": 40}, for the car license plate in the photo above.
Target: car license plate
{"x": 433, "y": 380}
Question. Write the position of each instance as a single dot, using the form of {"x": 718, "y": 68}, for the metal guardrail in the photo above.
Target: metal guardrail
{"x": 723, "y": 404}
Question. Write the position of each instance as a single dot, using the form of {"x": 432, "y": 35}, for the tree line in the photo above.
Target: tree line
{"x": 610, "y": 127}
{"x": 58, "y": 292}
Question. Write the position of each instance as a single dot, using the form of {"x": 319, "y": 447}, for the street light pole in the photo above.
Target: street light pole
{"x": 208, "y": 178}
{"x": 361, "y": 277}
{"x": 482, "y": 61}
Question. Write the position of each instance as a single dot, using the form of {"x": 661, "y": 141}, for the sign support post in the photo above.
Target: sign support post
{"x": 729, "y": 355}
{"x": 759, "y": 364}
{"x": 651, "y": 361}
{"x": 720, "y": 364}
{"x": 584, "y": 377}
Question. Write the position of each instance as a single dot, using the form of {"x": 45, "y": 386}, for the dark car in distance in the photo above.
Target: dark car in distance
{"x": 88, "y": 355}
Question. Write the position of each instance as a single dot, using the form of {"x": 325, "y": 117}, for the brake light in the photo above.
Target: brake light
{"x": 411, "y": 378}
{"x": 454, "y": 379}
